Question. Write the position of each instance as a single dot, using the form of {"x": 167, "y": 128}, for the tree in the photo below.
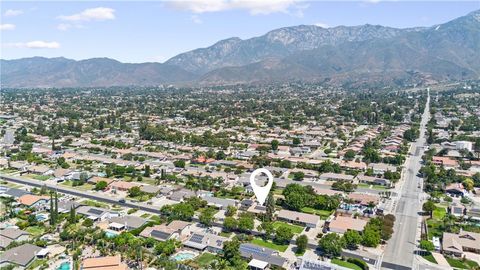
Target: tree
{"x": 231, "y": 211}
{"x": 134, "y": 192}
{"x": 166, "y": 248}
{"x": 274, "y": 145}
{"x": 331, "y": 244}
{"x": 206, "y": 217}
{"x": 220, "y": 155}
{"x": 73, "y": 216}
{"x": 230, "y": 224}
{"x": 349, "y": 155}
{"x": 101, "y": 185}
{"x": 147, "y": 171}
{"x": 268, "y": 228}
{"x": 231, "y": 253}
{"x": 370, "y": 237}
{"x": 270, "y": 207}
{"x": 428, "y": 207}
{"x": 352, "y": 239}
{"x": 179, "y": 211}
{"x": 301, "y": 243}
{"x": 179, "y": 163}
{"x": 246, "y": 222}
{"x": 283, "y": 234}
{"x": 298, "y": 176}
{"x": 87, "y": 223}
{"x": 468, "y": 184}
{"x": 427, "y": 245}
{"x": 52, "y": 214}
{"x": 296, "y": 141}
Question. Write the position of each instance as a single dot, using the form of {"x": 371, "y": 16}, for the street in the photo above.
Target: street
{"x": 399, "y": 253}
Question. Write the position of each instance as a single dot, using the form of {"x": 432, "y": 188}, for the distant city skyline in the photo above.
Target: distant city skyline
{"x": 155, "y": 31}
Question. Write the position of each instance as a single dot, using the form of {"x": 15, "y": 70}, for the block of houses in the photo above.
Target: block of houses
{"x": 307, "y": 220}
{"x": 206, "y": 241}
{"x": 341, "y": 224}
{"x": 176, "y": 229}
{"x": 21, "y": 256}
{"x": 446, "y": 162}
{"x": 101, "y": 263}
{"x": 9, "y": 235}
{"x": 458, "y": 244}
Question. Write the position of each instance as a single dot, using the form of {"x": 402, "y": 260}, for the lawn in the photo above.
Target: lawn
{"x": 225, "y": 234}
{"x": 40, "y": 177}
{"x": 295, "y": 228}
{"x": 85, "y": 186}
{"x": 95, "y": 204}
{"x": 429, "y": 257}
{"x": 205, "y": 259}
{"x": 37, "y": 263}
{"x": 434, "y": 228}
{"x": 439, "y": 213}
{"x": 263, "y": 243}
{"x": 35, "y": 230}
{"x": 467, "y": 264}
{"x": 146, "y": 215}
{"x": 346, "y": 264}
{"x": 324, "y": 214}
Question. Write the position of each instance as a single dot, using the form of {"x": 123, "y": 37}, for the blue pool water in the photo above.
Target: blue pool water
{"x": 182, "y": 256}
{"x": 64, "y": 266}
{"x": 110, "y": 234}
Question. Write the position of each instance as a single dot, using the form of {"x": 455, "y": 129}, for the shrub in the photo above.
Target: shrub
{"x": 359, "y": 263}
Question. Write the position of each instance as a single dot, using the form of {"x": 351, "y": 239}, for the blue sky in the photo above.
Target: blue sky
{"x": 156, "y": 31}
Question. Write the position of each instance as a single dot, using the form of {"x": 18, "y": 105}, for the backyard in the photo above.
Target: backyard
{"x": 295, "y": 228}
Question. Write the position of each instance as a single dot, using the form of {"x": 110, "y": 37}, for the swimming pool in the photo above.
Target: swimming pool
{"x": 110, "y": 234}
{"x": 183, "y": 256}
{"x": 64, "y": 266}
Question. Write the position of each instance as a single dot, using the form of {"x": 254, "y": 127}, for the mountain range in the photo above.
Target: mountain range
{"x": 340, "y": 55}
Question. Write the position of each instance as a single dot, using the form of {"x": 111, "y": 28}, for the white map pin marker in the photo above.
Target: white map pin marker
{"x": 261, "y": 192}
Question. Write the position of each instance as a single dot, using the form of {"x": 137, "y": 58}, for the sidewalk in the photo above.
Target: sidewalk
{"x": 440, "y": 259}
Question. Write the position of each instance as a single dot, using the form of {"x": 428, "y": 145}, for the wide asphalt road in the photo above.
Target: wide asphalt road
{"x": 399, "y": 253}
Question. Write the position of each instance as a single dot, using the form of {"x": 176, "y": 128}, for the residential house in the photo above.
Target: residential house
{"x": 176, "y": 229}
{"x": 455, "y": 190}
{"x": 457, "y": 210}
{"x": 206, "y": 241}
{"x": 372, "y": 180}
{"x": 458, "y": 244}
{"x": 35, "y": 201}
{"x": 95, "y": 213}
{"x": 9, "y": 235}
{"x": 103, "y": 263}
{"x": 341, "y": 224}
{"x": 220, "y": 203}
{"x": 126, "y": 223}
{"x": 21, "y": 256}
{"x": 307, "y": 220}
{"x": 251, "y": 251}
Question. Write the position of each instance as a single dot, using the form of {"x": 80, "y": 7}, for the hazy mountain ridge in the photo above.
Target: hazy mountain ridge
{"x": 367, "y": 53}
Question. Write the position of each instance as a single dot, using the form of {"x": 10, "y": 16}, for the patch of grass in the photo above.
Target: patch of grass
{"x": 37, "y": 263}
{"x": 146, "y": 215}
{"x": 439, "y": 213}
{"x": 263, "y": 243}
{"x": 295, "y": 228}
{"x": 225, "y": 234}
{"x": 35, "y": 230}
{"x": 324, "y": 214}
{"x": 95, "y": 204}
{"x": 457, "y": 263}
{"x": 41, "y": 177}
{"x": 429, "y": 257}
{"x": 434, "y": 228}
{"x": 346, "y": 264}
{"x": 205, "y": 259}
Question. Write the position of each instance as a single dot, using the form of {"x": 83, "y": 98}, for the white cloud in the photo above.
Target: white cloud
{"x": 263, "y": 7}
{"x": 37, "y": 44}
{"x": 196, "y": 19}
{"x": 323, "y": 25}
{"x": 7, "y": 26}
{"x": 91, "y": 14}
{"x": 13, "y": 12}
